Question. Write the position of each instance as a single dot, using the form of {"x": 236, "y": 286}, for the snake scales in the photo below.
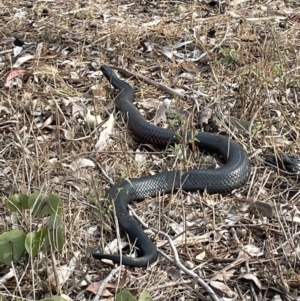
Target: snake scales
{"x": 233, "y": 174}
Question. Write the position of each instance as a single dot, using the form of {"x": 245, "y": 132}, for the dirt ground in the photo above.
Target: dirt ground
{"x": 232, "y": 67}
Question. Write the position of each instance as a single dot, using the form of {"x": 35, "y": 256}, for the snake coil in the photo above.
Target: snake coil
{"x": 233, "y": 174}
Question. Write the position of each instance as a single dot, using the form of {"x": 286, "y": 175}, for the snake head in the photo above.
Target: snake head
{"x": 108, "y": 73}
{"x": 286, "y": 162}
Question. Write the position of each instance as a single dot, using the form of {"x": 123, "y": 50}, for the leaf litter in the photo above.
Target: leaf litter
{"x": 235, "y": 60}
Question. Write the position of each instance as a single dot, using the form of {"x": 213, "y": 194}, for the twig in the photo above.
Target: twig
{"x": 119, "y": 243}
{"x": 290, "y": 71}
{"x": 102, "y": 171}
{"x": 176, "y": 259}
{"x": 105, "y": 281}
{"x": 242, "y": 257}
{"x": 251, "y": 283}
{"x": 150, "y": 82}
{"x": 17, "y": 280}
{"x": 56, "y": 277}
{"x": 169, "y": 284}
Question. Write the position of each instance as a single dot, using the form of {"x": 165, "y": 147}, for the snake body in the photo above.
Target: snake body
{"x": 233, "y": 174}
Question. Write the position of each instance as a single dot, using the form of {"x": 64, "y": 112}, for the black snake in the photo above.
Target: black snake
{"x": 233, "y": 174}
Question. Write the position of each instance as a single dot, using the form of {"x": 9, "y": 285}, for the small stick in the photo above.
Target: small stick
{"x": 150, "y": 82}
{"x": 105, "y": 281}
{"x": 166, "y": 285}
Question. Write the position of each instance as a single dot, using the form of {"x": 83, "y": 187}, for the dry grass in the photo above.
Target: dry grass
{"x": 250, "y": 71}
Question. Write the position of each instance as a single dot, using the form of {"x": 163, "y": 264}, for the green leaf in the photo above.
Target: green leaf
{"x": 145, "y": 296}
{"x": 12, "y": 246}
{"x": 2, "y": 298}
{"x": 125, "y": 296}
{"x": 54, "y": 298}
{"x": 17, "y": 202}
{"x": 54, "y": 222}
{"x": 54, "y": 240}
{"x": 34, "y": 241}
{"x": 243, "y": 125}
{"x": 42, "y": 204}
{"x": 54, "y": 237}
{"x": 230, "y": 58}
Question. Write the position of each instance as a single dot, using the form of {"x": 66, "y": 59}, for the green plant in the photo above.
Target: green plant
{"x": 15, "y": 242}
{"x": 229, "y": 54}
{"x": 125, "y": 295}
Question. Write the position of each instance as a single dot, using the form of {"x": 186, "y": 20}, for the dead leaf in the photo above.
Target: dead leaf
{"x": 205, "y": 115}
{"x": 113, "y": 246}
{"x": 178, "y": 229}
{"x": 105, "y": 133}
{"x": 240, "y": 125}
{"x": 63, "y": 272}
{"x": 7, "y": 276}
{"x": 13, "y": 74}
{"x": 252, "y": 250}
{"x": 226, "y": 275}
{"x": 92, "y": 120}
{"x": 279, "y": 141}
{"x": 91, "y": 230}
{"x": 155, "y": 22}
{"x": 161, "y": 112}
{"x": 237, "y": 2}
{"x": 261, "y": 208}
{"x": 243, "y": 256}
{"x": 294, "y": 219}
{"x": 182, "y": 239}
{"x": 150, "y": 103}
{"x": 69, "y": 133}
{"x": 174, "y": 274}
{"x": 139, "y": 157}
{"x": 21, "y": 13}
{"x": 80, "y": 163}
{"x": 22, "y": 60}
{"x": 97, "y": 89}
{"x": 94, "y": 287}
{"x": 167, "y": 53}
{"x": 250, "y": 276}
{"x": 181, "y": 44}
{"x": 17, "y": 50}
{"x": 222, "y": 289}
{"x": 47, "y": 122}
{"x": 201, "y": 256}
